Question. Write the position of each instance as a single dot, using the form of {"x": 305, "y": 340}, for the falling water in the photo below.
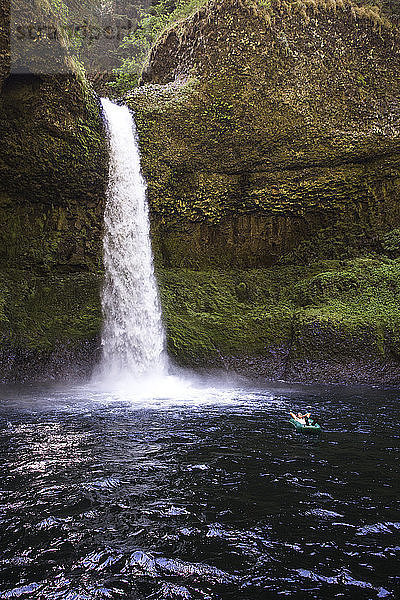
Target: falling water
{"x": 133, "y": 337}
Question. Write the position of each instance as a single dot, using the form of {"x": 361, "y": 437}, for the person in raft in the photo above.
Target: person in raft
{"x": 303, "y": 419}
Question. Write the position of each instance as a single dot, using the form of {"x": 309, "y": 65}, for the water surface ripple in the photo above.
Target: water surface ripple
{"x": 107, "y": 499}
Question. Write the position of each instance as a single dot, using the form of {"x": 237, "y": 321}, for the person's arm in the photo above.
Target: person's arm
{"x": 293, "y": 416}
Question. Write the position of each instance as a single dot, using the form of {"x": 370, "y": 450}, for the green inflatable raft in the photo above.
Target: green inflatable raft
{"x": 306, "y": 428}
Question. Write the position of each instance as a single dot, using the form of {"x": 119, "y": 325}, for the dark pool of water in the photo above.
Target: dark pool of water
{"x": 213, "y": 497}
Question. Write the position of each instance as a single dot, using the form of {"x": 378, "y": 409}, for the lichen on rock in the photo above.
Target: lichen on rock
{"x": 53, "y": 169}
{"x": 270, "y": 141}
{"x": 257, "y": 134}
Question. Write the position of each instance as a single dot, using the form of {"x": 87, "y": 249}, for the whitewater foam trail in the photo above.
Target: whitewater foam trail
{"x": 133, "y": 340}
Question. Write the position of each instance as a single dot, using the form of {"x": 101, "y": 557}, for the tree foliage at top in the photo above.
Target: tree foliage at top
{"x": 136, "y": 46}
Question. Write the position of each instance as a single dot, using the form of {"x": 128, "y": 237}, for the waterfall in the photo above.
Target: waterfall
{"x": 133, "y": 336}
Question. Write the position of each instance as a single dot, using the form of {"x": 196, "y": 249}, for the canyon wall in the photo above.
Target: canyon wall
{"x": 53, "y": 170}
{"x": 270, "y": 142}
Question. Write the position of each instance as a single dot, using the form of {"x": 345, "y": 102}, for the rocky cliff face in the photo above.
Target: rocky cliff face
{"x": 270, "y": 142}
{"x": 52, "y": 173}
{"x": 265, "y": 128}
{"x": 53, "y": 165}
{"x": 270, "y": 136}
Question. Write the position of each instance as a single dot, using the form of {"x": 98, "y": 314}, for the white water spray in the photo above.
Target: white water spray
{"x": 133, "y": 336}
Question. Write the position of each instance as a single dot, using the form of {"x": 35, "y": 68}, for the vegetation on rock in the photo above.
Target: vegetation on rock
{"x": 270, "y": 141}
{"x": 251, "y": 149}
{"x": 268, "y": 148}
{"x": 135, "y": 48}
{"x": 53, "y": 169}
{"x": 332, "y": 320}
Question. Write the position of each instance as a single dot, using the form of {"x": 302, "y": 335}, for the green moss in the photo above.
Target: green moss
{"x": 391, "y": 242}
{"x": 325, "y": 286}
{"x": 205, "y": 316}
{"x": 41, "y": 312}
{"x": 252, "y": 151}
{"x": 330, "y": 310}
{"x": 53, "y": 174}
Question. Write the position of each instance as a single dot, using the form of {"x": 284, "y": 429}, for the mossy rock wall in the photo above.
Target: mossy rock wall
{"x": 53, "y": 172}
{"x": 270, "y": 143}
{"x": 263, "y": 128}
{"x": 49, "y": 325}
{"x": 333, "y": 321}
{"x": 53, "y": 166}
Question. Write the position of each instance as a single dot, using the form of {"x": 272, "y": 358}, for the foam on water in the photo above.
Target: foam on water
{"x": 169, "y": 391}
